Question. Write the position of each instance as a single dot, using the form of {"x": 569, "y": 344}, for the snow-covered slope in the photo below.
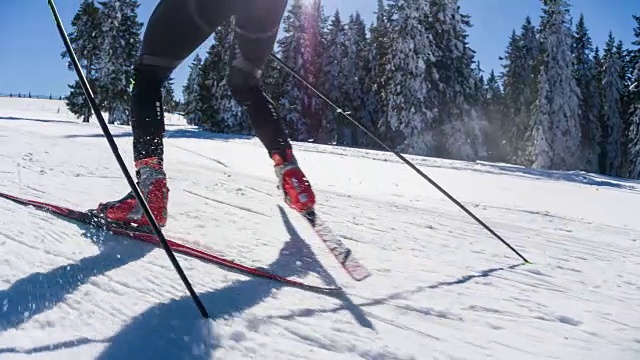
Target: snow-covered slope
{"x": 442, "y": 287}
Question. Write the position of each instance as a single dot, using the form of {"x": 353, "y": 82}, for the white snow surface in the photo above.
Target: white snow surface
{"x": 442, "y": 286}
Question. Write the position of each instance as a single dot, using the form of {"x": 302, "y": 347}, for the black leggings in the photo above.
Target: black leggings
{"x": 176, "y": 29}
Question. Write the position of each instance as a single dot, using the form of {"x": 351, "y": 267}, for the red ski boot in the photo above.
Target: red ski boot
{"x": 294, "y": 184}
{"x": 152, "y": 181}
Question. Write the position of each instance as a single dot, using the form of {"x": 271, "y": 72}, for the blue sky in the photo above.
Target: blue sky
{"x": 30, "y": 46}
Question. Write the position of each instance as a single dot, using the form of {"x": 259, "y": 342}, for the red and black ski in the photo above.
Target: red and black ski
{"x": 340, "y": 251}
{"x": 133, "y": 232}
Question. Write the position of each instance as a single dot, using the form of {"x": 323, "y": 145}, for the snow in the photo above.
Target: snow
{"x": 442, "y": 287}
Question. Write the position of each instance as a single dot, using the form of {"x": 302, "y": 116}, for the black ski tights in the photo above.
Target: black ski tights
{"x": 176, "y": 29}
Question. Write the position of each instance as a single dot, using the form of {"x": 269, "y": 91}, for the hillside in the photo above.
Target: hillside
{"x": 442, "y": 287}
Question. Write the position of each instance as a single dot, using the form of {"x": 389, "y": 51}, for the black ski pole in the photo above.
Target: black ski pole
{"x": 400, "y": 156}
{"x": 114, "y": 147}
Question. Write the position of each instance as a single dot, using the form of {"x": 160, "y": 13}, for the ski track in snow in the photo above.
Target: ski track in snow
{"x": 442, "y": 287}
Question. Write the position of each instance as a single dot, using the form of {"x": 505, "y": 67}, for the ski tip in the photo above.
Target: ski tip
{"x": 360, "y": 277}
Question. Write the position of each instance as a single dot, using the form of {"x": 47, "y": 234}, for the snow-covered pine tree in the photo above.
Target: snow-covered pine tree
{"x": 168, "y": 97}
{"x": 598, "y": 64}
{"x": 634, "y": 142}
{"x": 85, "y": 40}
{"x": 479, "y": 93}
{"x": 626, "y": 98}
{"x": 291, "y": 46}
{"x": 355, "y": 64}
{"x": 225, "y": 114}
{"x": 557, "y": 113}
{"x": 333, "y": 79}
{"x": 315, "y": 23}
{"x": 626, "y": 71}
{"x": 458, "y": 97}
{"x": 611, "y": 108}
{"x": 544, "y": 155}
{"x": 410, "y": 103}
{"x": 585, "y": 74}
{"x": 291, "y": 97}
{"x": 498, "y": 127}
{"x": 633, "y": 135}
{"x": 192, "y": 104}
{"x": 213, "y": 70}
{"x": 520, "y": 83}
{"x": 120, "y": 49}
{"x": 294, "y": 50}
{"x": 272, "y": 84}
{"x": 634, "y": 63}
{"x": 378, "y": 79}
{"x": 513, "y": 92}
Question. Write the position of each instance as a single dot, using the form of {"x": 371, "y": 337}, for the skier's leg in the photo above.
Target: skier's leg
{"x": 175, "y": 29}
{"x": 257, "y": 24}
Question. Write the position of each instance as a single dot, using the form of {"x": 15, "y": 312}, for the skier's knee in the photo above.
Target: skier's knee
{"x": 243, "y": 85}
{"x": 156, "y": 68}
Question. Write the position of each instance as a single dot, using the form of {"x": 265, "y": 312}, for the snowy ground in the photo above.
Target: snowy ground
{"x": 442, "y": 287}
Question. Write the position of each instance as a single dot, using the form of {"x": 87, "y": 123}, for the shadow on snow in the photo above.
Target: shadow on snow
{"x": 175, "y": 330}
{"x": 40, "y": 292}
{"x": 172, "y": 330}
{"x": 400, "y": 295}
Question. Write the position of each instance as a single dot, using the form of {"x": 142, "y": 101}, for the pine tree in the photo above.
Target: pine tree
{"x": 458, "y": 99}
{"x": 290, "y": 98}
{"x": 299, "y": 52}
{"x": 498, "y": 128}
{"x": 598, "y": 64}
{"x": 272, "y": 80}
{"x": 85, "y": 40}
{"x": 333, "y": 78}
{"x": 634, "y": 142}
{"x": 520, "y": 82}
{"x": 634, "y": 62}
{"x": 557, "y": 112}
{"x": 634, "y": 107}
{"x": 378, "y": 79}
{"x": 611, "y": 108}
{"x": 542, "y": 134}
{"x": 585, "y": 74}
{"x": 168, "y": 98}
{"x": 479, "y": 93}
{"x": 513, "y": 92}
{"x": 410, "y": 99}
{"x": 221, "y": 112}
{"x": 232, "y": 114}
{"x": 121, "y": 43}
{"x": 634, "y": 136}
{"x": 626, "y": 75}
{"x": 213, "y": 70}
{"x": 315, "y": 22}
{"x": 355, "y": 64}
{"x": 192, "y": 104}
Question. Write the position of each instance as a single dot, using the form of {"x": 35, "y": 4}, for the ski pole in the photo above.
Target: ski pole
{"x": 114, "y": 147}
{"x": 400, "y": 156}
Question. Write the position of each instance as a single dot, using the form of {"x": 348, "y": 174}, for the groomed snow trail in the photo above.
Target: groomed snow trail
{"x": 442, "y": 287}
